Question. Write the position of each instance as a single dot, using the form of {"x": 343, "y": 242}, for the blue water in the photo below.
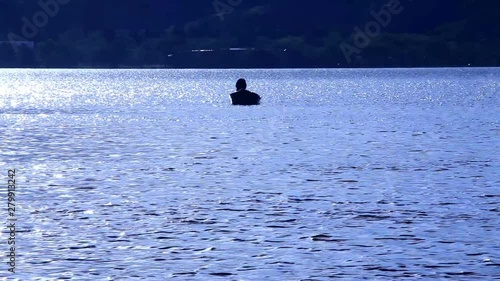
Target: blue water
{"x": 339, "y": 174}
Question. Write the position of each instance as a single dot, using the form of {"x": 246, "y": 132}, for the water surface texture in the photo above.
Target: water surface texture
{"x": 339, "y": 174}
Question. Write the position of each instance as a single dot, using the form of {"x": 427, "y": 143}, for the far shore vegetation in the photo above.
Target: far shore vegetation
{"x": 252, "y": 35}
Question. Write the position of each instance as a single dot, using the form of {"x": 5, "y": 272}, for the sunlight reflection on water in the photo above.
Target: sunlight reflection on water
{"x": 151, "y": 174}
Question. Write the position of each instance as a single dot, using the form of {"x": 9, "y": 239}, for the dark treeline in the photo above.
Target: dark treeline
{"x": 274, "y": 33}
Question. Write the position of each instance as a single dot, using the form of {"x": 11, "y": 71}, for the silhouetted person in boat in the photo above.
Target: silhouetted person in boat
{"x": 242, "y": 96}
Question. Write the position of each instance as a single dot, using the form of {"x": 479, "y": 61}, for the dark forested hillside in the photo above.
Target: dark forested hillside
{"x": 267, "y": 33}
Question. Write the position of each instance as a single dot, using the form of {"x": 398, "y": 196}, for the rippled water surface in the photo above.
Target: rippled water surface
{"x": 339, "y": 174}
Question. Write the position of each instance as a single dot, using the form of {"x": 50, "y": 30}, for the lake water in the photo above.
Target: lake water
{"x": 339, "y": 174}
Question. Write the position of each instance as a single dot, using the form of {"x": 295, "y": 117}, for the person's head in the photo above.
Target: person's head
{"x": 241, "y": 84}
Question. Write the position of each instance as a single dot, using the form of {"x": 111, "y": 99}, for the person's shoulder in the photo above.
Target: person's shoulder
{"x": 250, "y": 92}
{"x": 255, "y": 94}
